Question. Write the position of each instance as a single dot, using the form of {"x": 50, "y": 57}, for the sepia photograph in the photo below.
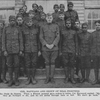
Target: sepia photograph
{"x": 49, "y": 44}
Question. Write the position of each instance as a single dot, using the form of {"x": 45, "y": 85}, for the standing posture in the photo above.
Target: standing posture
{"x": 84, "y": 46}
{"x": 49, "y": 37}
{"x": 68, "y": 51}
{"x": 12, "y": 46}
{"x": 56, "y": 13}
{"x": 31, "y": 50}
{"x": 95, "y": 51}
{"x": 62, "y": 8}
{"x": 71, "y": 14}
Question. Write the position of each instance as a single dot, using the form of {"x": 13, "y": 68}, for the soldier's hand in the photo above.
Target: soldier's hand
{"x": 39, "y": 53}
{"x": 51, "y": 46}
{"x": 47, "y": 45}
{"x": 5, "y": 53}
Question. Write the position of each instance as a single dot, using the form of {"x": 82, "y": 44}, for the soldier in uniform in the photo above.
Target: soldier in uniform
{"x": 3, "y": 63}
{"x": 95, "y": 51}
{"x": 84, "y": 46}
{"x": 62, "y": 9}
{"x": 68, "y": 49}
{"x": 31, "y": 49}
{"x": 12, "y": 46}
{"x": 71, "y": 14}
{"x": 56, "y": 13}
{"x": 20, "y": 24}
{"x": 49, "y": 38}
{"x": 25, "y": 14}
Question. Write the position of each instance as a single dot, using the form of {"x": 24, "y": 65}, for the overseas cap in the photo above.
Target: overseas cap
{"x": 84, "y": 24}
{"x": 97, "y": 21}
{"x": 70, "y": 3}
{"x": 34, "y": 4}
{"x": 27, "y": 19}
{"x": 2, "y": 21}
{"x": 48, "y": 14}
{"x": 12, "y": 17}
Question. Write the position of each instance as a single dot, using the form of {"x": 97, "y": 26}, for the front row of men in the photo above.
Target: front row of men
{"x": 51, "y": 41}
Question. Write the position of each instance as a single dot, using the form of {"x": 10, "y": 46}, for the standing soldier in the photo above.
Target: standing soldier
{"x": 71, "y": 14}
{"x": 62, "y": 9}
{"x": 49, "y": 37}
{"x": 25, "y": 14}
{"x": 56, "y": 13}
{"x": 84, "y": 46}
{"x": 20, "y": 24}
{"x": 12, "y": 46}
{"x": 4, "y": 67}
{"x": 31, "y": 49}
{"x": 95, "y": 50}
{"x": 68, "y": 51}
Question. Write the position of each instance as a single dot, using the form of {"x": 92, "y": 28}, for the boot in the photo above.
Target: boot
{"x": 72, "y": 76}
{"x": 33, "y": 77}
{"x": 83, "y": 75}
{"x": 4, "y": 76}
{"x": 47, "y": 74}
{"x": 16, "y": 77}
{"x": 0, "y": 77}
{"x": 66, "y": 75}
{"x": 87, "y": 75}
{"x": 29, "y": 76}
{"x": 10, "y": 71}
{"x": 96, "y": 72}
{"x": 52, "y": 73}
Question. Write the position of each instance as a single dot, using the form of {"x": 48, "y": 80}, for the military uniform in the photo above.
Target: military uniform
{"x": 72, "y": 15}
{"x": 84, "y": 46}
{"x": 95, "y": 52}
{"x": 31, "y": 51}
{"x": 12, "y": 42}
{"x": 68, "y": 52}
{"x": 55, "y": 16}
{"x": 49, "y": 34}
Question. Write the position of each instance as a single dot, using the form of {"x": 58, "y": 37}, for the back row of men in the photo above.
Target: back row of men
{"x": 51, "y": 35}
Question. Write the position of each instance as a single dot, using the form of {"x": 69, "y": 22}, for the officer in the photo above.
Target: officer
{"x": 71, "y": 14}
{"x": 95, "y": 51}
{"x": 12, "y": 46}
{"x": 49, "y": 37}
{"x": 68, "y": 51}
{"x": 31, "y": 49}
{"x": 84, "y": 46}
{"x": 3, "y": 63}
{"x": 62, "y": 8}
{"x": 20, "y": 24}
{"x": 56, "y": 13}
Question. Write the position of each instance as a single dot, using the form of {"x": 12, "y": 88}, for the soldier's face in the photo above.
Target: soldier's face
{"x": 31, "y": 15}
{"x": 21, "y": 11}
{"x": 49, "y": 19}
{"x": 25, "y": 8}
{"x": 61, "y": 16}
{"x": 35, "y": 7}
{"x": 30, "y": 23}
{"x": 62, "y": 8}
{"x": 97, "y": 26}
{"x": 70, "y": 7}
{"x": 56, "y": 8}
{"x": 12, "y": 22}
{"x": 68, "y": 24}
{"x": 19, "y": 21}
{"x": 84, "y": 28}
{"x": 77, "y": 24}
{"x": 1, "y": 25}
{"x": 40, "y": 9}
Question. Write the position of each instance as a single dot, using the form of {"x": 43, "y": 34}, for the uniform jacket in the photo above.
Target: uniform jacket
{"x": 95, "y": 43}
{"x": 55, "y": 16}
{"x": 84, "y": 43}
{"x": 68, "y": 40}
{"x": 31, "y": 39}
{"x": 12, "y": 40}
{"x": 1, "y": 31}
{"x": 49, "y": 34}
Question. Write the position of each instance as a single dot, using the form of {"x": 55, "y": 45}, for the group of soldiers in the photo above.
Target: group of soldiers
{"x": 52, "y": 40}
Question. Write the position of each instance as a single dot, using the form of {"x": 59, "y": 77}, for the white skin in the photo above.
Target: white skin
{"x": 49, "y": 20}
{"x": 97, "y": 25}
{"x": 61, "y": 16}
{"x": 31, "y": 15}
{"x": 19, "y": 20}
{"x": 77, "y": 25}
{"x": 84, "y": 28}
{"x": 1, "y": 25}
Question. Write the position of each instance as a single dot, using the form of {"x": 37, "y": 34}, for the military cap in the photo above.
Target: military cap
{"x": 68, "y": 20}
{"x": 21, "y": 9}
{"x": 85, "y": 24}
{"x": 12, "y": 17}
{"x": 31, "y": 12}
{"x": 27, "y": 19}
{"x": 62, "y": 5}
{"x": 2, "y": 21}
{"x": 34, "y": 4}
{"x": 97, "y": 21}
{"x": 55, "y": 6}
{"x": 70, "y": 3}
{"x": 42, "y": 13}
{"x": 19, "y": 15}
{"x": 48, "y": 14}
{"x": 40, "y": 7}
